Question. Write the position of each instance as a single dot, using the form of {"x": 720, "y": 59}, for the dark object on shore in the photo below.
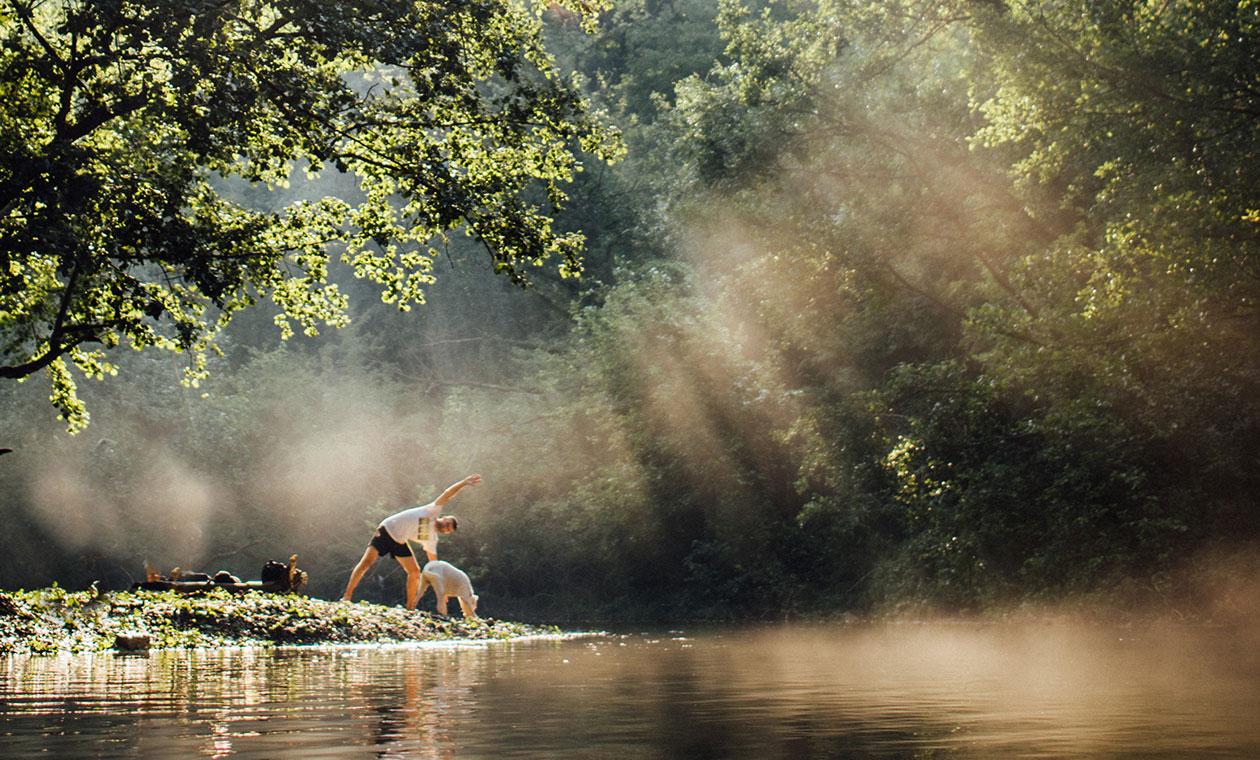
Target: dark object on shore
{"x": 275, "y": 572}
{"x": 276, "y": 578}
{"x": 132, "y": 642}
{"x": 5, "y": 451}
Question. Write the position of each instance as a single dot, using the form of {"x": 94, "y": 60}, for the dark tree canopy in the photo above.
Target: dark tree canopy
{"x": 120, "y": 116}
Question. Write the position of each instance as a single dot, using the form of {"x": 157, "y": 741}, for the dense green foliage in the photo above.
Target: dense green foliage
{"x": 118, "y": 117}
{"x": 893, "y": 305}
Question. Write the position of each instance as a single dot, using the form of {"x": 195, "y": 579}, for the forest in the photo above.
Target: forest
{"x": 742, "y": 309}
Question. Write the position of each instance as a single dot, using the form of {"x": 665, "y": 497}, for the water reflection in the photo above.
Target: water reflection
{"x": 839, "y": 692}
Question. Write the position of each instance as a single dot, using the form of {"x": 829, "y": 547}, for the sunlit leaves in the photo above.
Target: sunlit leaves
{"x": 1142, "y": 118}
{"x": 1037, "y": 223}
{"x": 450, "y": 115}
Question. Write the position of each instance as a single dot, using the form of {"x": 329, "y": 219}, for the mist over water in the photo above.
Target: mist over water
{"x": 878, "y": 691}
{"x": 844, "y": 343}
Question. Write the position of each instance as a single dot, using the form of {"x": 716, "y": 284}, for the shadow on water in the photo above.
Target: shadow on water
{"x": 889, "y": 691}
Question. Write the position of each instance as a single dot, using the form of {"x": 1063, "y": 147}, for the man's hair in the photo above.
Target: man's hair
{"x": 454, "y": 522}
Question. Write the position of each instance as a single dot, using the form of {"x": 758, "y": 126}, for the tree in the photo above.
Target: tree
{"x": 1142, "y": 119}
{"x": 115, "y": 229}
{"x": 1025, "y": 235}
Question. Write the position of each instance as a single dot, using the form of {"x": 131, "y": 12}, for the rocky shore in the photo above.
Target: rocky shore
{"x": 54, "y": 620}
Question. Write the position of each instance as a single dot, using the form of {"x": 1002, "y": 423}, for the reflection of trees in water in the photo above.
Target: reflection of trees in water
{"x": 982, "y": 691}
{"x": 405, "y": 702}
{"x": 113, "y": 699}
{"x": 435, "y": 691}
{"x": 151, "y": 682}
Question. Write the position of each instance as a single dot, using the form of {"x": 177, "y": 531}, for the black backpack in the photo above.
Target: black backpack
{"x": 275, "y": 572}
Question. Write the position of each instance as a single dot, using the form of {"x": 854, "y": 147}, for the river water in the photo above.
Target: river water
{"x": 851, "y": 692}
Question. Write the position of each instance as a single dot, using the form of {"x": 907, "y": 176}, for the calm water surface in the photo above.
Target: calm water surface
{"x": 852, "y": 692}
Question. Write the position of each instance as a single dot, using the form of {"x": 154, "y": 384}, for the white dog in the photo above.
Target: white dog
{"x": 447, "y": 581}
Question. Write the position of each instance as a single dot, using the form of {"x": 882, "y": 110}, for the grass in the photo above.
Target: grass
{"x": 54, "y": 620}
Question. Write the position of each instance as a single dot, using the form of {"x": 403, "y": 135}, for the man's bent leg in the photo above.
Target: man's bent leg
{"x": 370, "y": 556}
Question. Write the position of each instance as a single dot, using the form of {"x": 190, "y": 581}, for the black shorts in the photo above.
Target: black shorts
{"x": 384, "y": 544}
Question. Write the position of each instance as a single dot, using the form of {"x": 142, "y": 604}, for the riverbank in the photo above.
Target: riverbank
{"x": 52, "y": 621}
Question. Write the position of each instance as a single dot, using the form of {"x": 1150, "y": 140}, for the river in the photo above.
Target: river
{"x": 787, "y": 691}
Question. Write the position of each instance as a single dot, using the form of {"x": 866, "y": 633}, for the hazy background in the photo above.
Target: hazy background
{"x": 878, "y": 316}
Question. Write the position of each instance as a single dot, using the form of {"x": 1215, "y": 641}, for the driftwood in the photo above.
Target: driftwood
{"x": 277, "y": 578}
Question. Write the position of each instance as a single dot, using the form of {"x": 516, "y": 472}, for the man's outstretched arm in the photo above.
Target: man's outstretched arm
{"x": 471, "y": 480}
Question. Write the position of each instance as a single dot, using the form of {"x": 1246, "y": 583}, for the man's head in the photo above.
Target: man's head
{"x": 446, "y": 524}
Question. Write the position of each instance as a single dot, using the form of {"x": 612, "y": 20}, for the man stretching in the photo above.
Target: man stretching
{"x": 419, "y": 524}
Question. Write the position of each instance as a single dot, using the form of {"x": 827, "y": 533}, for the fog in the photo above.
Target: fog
{"x": 303, "y": 449}
{"x": 680, "y": 423}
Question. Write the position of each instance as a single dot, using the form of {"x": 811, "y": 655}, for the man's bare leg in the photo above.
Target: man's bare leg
{"x": 413, "y": 579}
{"x": 370, "y": 555}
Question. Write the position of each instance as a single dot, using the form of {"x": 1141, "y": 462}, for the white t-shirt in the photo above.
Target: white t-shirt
{"x": 415, "y": 524}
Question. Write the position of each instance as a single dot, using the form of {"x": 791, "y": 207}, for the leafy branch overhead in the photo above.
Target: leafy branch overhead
{"x": 122, "y": 118}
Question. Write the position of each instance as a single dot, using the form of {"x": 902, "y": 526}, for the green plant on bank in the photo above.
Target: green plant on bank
{"x": 48, "y": 621}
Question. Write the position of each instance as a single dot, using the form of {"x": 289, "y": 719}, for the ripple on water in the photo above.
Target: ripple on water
{"x": 790, "y": 692}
